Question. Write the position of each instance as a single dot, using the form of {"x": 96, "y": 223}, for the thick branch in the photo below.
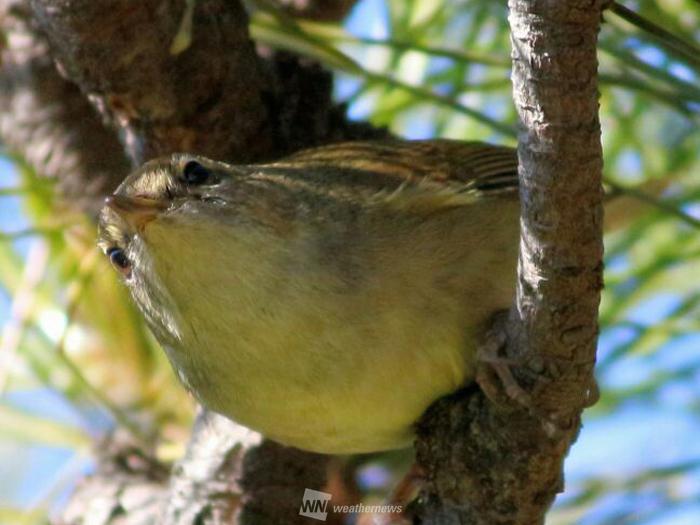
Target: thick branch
{"x": 229, "y": 474}
{"x": 207, "y": 99}
{"x": 48, "y": 121}
{"x": 215, "y": 97}
{"x": 487, "y": 465}
{"x": 127, "y": 487}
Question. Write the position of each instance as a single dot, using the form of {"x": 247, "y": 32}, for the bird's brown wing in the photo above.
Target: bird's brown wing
{"x": 473, "y": 167}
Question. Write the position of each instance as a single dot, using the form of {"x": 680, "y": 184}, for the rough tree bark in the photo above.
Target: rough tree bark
{"x": 48, "y": 120}
{"x": 221, "y": 98}
{"x": 492, "y": 465}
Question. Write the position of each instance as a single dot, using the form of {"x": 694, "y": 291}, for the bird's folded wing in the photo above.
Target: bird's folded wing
{"x": 461, "y": 166}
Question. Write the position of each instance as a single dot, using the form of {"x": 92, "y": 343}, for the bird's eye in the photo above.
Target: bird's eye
{"x": 119, "y": 260}
{"x": 194, "y": 173}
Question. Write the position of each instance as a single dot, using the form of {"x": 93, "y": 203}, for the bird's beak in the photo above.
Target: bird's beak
{"x": 136, "y": 211}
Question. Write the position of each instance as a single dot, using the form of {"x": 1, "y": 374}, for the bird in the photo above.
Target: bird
{"x": 328, "y": 298}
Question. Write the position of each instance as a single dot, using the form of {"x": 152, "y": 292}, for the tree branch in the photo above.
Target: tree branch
{"x": 216, "y": 97}
{"x": 561, "y": 249}
{"x": 48, "y": 121}
{"x": 118, "y": 52}
{"x": 492, "y": 465}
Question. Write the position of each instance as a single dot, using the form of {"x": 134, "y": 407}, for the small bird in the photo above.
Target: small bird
{"x": 326, "y": 299}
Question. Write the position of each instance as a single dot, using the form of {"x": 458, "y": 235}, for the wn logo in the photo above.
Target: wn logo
{"x": 314, "y": 504}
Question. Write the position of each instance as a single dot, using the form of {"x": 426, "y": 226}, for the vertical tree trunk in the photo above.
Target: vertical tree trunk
{"x": 488, "y": 465}
{"x": 561, "y": 249}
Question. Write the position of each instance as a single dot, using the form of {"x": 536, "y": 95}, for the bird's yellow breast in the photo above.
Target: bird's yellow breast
{"x": 333, "y": 343}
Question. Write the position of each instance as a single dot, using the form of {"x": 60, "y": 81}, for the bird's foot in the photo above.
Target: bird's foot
{"x": 494, "y": 375}
{"x": 494, "y": 371}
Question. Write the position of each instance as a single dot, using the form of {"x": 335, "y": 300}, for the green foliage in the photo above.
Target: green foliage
{"x": 71, "y": 330}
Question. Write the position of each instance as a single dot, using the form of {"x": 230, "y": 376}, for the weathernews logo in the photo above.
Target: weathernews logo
{"x": 316, "y": 505}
